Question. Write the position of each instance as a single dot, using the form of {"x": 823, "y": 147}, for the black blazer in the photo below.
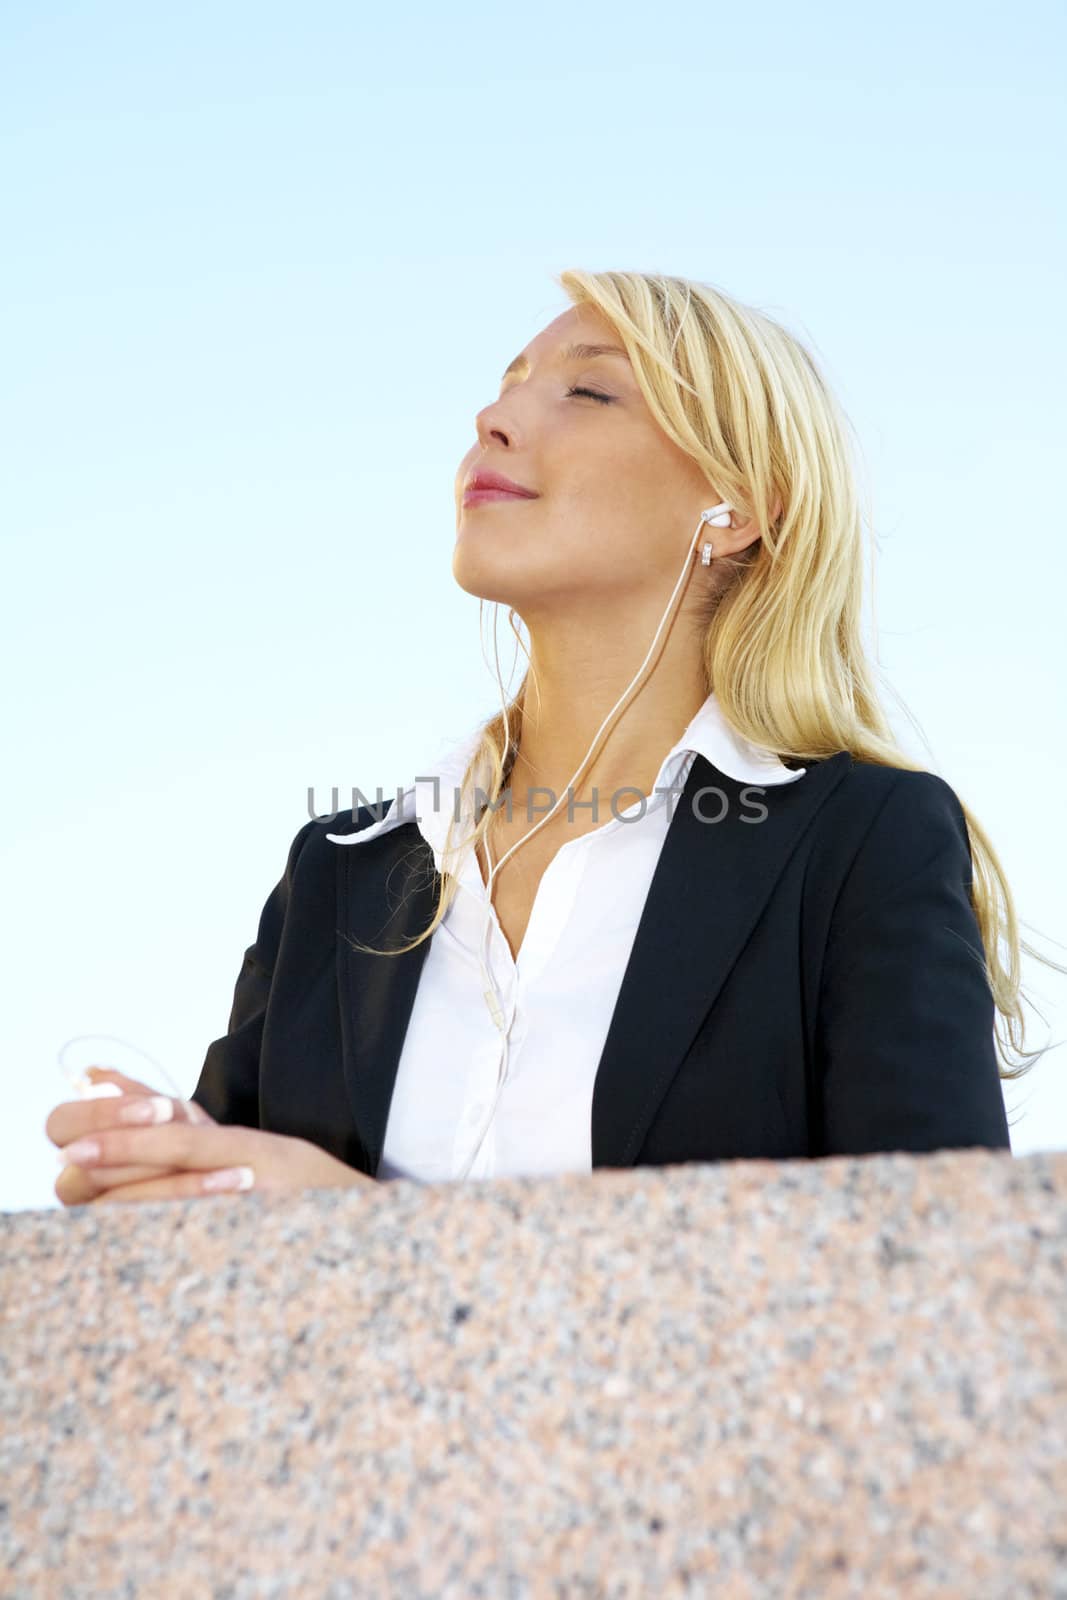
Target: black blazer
{"x": 805, "y": 985}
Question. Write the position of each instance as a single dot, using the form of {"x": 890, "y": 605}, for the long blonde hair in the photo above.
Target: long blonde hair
{"x": 782, "y": 634}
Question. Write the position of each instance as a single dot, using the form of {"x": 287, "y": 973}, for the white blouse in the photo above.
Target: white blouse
{"x": 561, "y": 992}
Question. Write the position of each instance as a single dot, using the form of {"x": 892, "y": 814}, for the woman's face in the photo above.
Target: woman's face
{"x": 617, "y": 503}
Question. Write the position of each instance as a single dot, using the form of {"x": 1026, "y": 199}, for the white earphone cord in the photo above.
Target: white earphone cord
{"x": 715, "y": 517}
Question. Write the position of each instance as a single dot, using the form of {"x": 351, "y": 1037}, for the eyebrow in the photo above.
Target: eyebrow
{"x": 571, "y": 352}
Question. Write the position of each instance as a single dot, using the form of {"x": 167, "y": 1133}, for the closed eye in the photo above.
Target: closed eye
{"x": 606, "y": 399}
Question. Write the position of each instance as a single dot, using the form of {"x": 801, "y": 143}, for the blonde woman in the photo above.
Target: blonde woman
{"x": 683, "y": 898}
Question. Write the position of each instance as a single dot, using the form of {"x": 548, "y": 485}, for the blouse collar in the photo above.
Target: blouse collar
{"x": 430, "y": 797}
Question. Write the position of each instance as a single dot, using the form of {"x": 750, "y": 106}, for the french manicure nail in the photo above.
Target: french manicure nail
{"x": 81, "y": 1150}
{"x": 147, "y": 1108}
{"x": 228, "y": 1178}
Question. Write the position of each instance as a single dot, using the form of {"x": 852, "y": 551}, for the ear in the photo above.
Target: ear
{"x": 775, "y": 513}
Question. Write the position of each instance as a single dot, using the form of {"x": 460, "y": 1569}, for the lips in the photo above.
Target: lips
{"x": 485, "y": 482}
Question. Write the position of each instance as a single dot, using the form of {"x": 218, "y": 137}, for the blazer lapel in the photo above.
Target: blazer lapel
{"x": 385, "y": 899}
{"x": 711, "y": 883}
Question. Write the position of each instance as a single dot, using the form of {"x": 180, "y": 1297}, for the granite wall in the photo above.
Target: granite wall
{"x": 833, "y": 1378}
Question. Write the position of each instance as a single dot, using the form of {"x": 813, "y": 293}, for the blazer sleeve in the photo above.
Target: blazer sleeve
{"x": 905, "y": 1049}
{"x": 228, "y": 1086}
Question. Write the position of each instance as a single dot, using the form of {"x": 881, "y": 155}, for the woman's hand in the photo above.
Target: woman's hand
{"x": 76, "y": 1119}
{"x": 175, "y": 1157}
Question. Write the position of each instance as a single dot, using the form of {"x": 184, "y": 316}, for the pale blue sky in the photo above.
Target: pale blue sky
{"x": 263, "y": 265}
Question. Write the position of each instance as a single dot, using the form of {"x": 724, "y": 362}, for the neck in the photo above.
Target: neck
{"x": 577, "y": 675}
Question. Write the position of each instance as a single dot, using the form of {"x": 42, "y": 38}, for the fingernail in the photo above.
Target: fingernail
{"x": 80, "y": 1150}
{"x": 229, "y": 1178}
{"x": 147, "y": 1108}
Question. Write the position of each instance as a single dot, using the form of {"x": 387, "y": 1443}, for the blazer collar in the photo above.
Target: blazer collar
{"x": 711, "y": 883}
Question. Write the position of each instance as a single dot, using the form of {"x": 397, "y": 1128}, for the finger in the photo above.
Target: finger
{"x": 180, "y": 1143}
{"x": 106, "y": 1079}
{"x": 72, "y": 1119}
{"x": 95, "y": 1179}
{"x": 75, "y": 1185}
{"x": 113, "y": 1075}
{"x": 177, "y": 1186}
{"x": 77, "y": 1119}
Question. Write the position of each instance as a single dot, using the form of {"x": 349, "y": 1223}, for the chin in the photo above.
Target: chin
{"x": 484, "y": 578}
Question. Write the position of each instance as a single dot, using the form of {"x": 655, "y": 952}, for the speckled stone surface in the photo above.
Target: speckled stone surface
{"x": 827, "y": 1379}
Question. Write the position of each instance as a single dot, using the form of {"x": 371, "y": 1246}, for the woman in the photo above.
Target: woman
{"x": 683, "y": 899}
